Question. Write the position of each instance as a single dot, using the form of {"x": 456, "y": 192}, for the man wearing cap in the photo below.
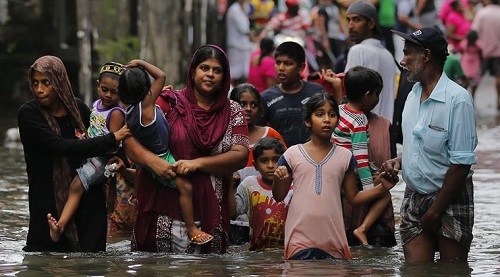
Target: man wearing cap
{"x": 439, "y": 138}
{"x": 369, "y": 52}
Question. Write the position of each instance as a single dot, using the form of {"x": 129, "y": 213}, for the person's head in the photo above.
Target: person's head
{"x": 107, "y": 84}
{"x": 266, "y": 153}
{"x": 362, "y": 21}
{"x": 457, "y": 6}
{"x": 290, "y": 61}
{"x": 321, "y": 114}
{"x": 208, "y": 73}
{"x": 472, "y": 37}
{"x": 363, "y": 86}
{"x": 50, "y": 85}
{"x": 266, "y": 47}
{"x": 49, "y": 81}
{"x": 425, "y": 49}
{"x": 249, "y": 98}
{"x": 134, "y": 84}
{"x": 292, "y": 7}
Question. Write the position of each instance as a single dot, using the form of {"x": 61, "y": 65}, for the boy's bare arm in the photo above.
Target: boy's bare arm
{"x": 281, "y": 184}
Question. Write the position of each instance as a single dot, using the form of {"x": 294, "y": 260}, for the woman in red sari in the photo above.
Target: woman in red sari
{"x": 209, "y": 140}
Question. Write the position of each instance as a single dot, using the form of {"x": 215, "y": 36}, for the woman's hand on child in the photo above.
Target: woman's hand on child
{"x": 123, "y": 133}
{"x": 164, "y": 169}
{"x": 186, "y": 167}
{"x": 281, "y": 172}
{"x": 168, "y": 87}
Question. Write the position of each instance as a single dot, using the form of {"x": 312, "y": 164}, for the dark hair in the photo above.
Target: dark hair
{"x": 208, "y": 52}
{"x": 268, "y": 143}
{"x": 266, "y": 48}
{"x": 472, "y": 37}
{"x": 358, "y": 80}
{"x": 133, "y": 85}
{"x": 291, "y": 49}
{"x": 436, "y": 59}
{"x": 235, "y": 94}
{"x": 317, "y": 101}
{"x": 454, "y": 4}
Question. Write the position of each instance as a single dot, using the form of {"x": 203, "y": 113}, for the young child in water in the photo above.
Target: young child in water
{"x": 319, "y": 171}
{"x": 254, "y": 197}
{"x": 106, "y": 116}
{"x": 363, "y": 87}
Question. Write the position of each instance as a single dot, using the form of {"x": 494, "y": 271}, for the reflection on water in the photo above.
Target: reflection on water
{"x": 119, "y": 260}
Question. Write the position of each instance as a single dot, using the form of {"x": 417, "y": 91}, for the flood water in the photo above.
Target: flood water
{"x": 484, "y": 257}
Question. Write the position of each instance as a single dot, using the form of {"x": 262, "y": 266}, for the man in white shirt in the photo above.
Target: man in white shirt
{"x": 368, "y": 51}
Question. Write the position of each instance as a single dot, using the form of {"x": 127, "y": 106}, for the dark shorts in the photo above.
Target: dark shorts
{"x": 311, "y": 254}
{"x": 456, "y": 222}
{"x": 491, "y": 65}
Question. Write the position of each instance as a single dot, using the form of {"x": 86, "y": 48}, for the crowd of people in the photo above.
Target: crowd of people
{"x": 253, "y": 140}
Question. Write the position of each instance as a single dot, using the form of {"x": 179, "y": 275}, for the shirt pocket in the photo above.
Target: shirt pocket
{"x": 435, "y": 140}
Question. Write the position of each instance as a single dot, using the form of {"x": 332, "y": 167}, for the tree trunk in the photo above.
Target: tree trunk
{"x": 160, "y": 32}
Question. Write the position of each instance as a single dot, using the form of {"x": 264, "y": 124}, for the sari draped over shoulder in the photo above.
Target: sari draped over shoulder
{"x": 194, "y": 132}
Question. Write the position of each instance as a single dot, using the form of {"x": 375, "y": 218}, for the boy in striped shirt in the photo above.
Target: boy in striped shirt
{"x": 362, "y": 86}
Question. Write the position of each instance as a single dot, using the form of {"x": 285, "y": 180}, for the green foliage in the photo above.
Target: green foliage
{"x": 122, "y": 50}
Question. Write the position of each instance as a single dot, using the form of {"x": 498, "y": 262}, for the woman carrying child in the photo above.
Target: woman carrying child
{"x": 209, "y": 140}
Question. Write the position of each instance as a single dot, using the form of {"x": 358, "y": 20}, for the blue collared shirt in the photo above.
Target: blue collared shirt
{"x": 438, "y": 132}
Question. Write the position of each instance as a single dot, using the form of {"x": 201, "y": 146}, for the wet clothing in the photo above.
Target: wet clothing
{"x": 314, "y": 218}
{"x": 437, "y": 133}
{"x": 41, "y": 147}
{"x": 195, "y": 132}
{"x": 284, "y": 111}
{"x": 382, "y": 233}
{"x": 352, "y": 133}
{"x": 456, "y": 223}
{"x": 267, "y": 217}
{"x": 153, "y": 136}
{"x": 92, "y": 171}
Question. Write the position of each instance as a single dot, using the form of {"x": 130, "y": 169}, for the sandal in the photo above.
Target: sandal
{"x": 201, "y": 239}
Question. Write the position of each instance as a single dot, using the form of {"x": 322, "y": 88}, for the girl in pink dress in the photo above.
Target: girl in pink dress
{"x": 470, "y": 48}
{"x": 320, "y": 171}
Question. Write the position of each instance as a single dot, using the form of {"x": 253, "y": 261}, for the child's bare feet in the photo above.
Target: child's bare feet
{"x": 198, "y": 237}
{"x": 55, "y": 230}
{"x": 360, "y": 234}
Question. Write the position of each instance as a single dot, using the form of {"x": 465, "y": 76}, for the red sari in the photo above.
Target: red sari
{"x": 194, "y": 133}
